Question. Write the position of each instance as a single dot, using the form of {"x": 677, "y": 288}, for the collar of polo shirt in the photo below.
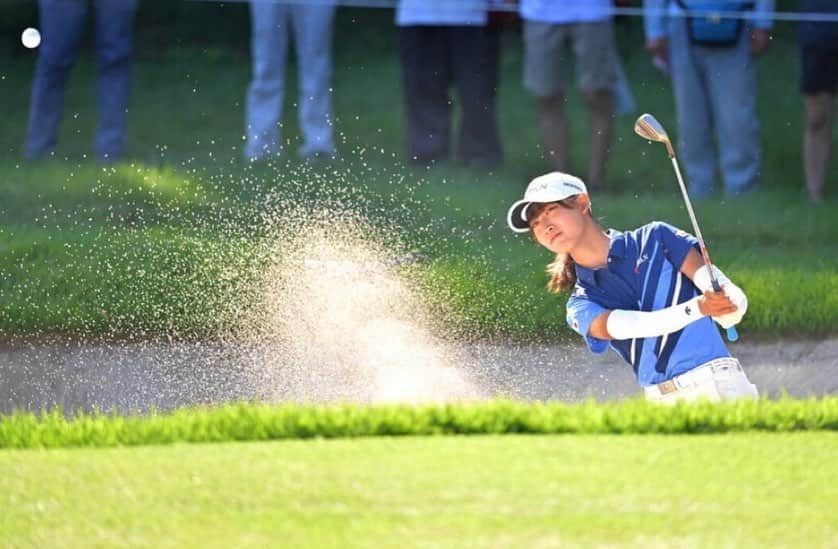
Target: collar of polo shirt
{"x": 617, "y": 250}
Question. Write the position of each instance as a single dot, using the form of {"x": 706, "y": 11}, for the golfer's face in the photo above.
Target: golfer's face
{"x": 557, "y": 228}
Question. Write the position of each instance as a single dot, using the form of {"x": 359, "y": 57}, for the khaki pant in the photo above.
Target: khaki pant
{"x": 545, "y": 59}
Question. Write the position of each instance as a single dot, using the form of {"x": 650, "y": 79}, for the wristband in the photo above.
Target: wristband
{"x": 704, "y": 283}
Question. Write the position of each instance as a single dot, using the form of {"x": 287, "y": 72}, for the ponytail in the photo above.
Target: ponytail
{"x": 562, "y": 273}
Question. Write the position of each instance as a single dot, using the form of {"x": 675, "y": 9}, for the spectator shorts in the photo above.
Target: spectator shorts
{"x": 818, "y": 70}
{"x": 545, "y": 59}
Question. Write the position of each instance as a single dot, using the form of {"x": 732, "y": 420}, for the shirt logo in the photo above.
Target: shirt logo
{"x": 575, "y": 325}
{"x": 688, "y": 310}
{"x": 640, "y": 261}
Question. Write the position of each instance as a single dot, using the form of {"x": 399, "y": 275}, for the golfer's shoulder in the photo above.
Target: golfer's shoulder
{"x": 657, "y": 226}
{"x": 649, "y": 237}
{"x": 639, "y": 235}
{"x": 583, "y": 300}
{"x": 657, "y": 230}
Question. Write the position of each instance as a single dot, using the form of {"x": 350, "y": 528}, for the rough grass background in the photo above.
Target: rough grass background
{"x": 74, "y": 237}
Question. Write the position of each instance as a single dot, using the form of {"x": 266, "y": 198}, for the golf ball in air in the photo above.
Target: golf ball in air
{"x": 31, "y": 38}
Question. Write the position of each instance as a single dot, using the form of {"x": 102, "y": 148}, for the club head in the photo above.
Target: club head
{"x": 648, "y": 127}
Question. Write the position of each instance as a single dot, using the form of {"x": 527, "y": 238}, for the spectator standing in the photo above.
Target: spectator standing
{"x": 818, "y": 81}
{"x": 714, "y": 80}
{"x": 272, "y": 26}
{"x": 445, "y": 44}
{"x": 588, "y": 26}
{"x": 62, "y": 25}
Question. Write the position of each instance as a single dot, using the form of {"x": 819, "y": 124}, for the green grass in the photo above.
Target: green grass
{"x": 249, "y": 422}
{"x": 184, "y": 208}
{"x": 165, "y": 241}
{"x": 747, "y": 490}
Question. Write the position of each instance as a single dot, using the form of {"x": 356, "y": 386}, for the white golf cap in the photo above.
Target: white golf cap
{"x": 550, "y": 187}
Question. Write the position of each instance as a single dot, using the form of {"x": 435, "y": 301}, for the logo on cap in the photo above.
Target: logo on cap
{"x": 540, "y": 186}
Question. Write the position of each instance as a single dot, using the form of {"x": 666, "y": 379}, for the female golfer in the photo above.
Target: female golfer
{"x": 647, "y": 293}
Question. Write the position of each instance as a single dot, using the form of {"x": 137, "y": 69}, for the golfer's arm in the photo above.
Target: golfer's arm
{"x": 625, "y": 324}
{"x": 692, "y": 263}
{"x": 599, "y": 327}
{"x": 702, "y": 280}
{"x": 632, "y": 324}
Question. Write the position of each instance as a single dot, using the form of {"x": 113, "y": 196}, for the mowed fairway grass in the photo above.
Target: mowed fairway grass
{"x": 743, "y": 490}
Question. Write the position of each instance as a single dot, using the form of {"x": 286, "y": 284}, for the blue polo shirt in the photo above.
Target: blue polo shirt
{"x": 643, "y": 274}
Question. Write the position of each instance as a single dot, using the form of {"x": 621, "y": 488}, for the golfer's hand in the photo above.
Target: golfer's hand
{"x": 737, "y": 296}
{"x": 716, "y": 304}
{"x": 760, "y": 39}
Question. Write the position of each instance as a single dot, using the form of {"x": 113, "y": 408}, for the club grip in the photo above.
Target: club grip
{"x": 732, "y": 334}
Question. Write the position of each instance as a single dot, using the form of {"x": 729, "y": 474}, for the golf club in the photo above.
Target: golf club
{"x": 648, "y": 127}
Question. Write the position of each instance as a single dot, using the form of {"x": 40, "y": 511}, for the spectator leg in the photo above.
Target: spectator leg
{"x": 114, "y": 47}
{"x": 475, "y": 59}
{"x": 596, "y": 67}
{"x": 732, "y": 82}
{"x": 61, "y": 23}
{"x": 601, "y": 106}
{"x": 555, "y": 130}
{"x": 313, "y": 34}
{"x": 426, "y": 77}
{"x": 694, "y": 112}
{"x": 544, "y": 69}
{"x": 817, "y": 141}
{"x": 270, "y": 22}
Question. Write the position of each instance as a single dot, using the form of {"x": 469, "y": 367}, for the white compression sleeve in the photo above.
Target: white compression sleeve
{"x": 702, "y": 279}
{"x": 624, "y": 324}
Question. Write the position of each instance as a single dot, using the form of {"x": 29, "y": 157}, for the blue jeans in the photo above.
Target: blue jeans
{"x": 715, "y": 98}
{"x": 61, "y": 26}
{"x": 272, "y": 24}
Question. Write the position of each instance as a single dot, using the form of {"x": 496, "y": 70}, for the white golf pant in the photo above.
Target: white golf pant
{"x": 717, "y": 380}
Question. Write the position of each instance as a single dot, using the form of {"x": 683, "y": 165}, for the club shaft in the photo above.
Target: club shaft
{"x": 694, "y": 221}
{"x": 732, "y": 334}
